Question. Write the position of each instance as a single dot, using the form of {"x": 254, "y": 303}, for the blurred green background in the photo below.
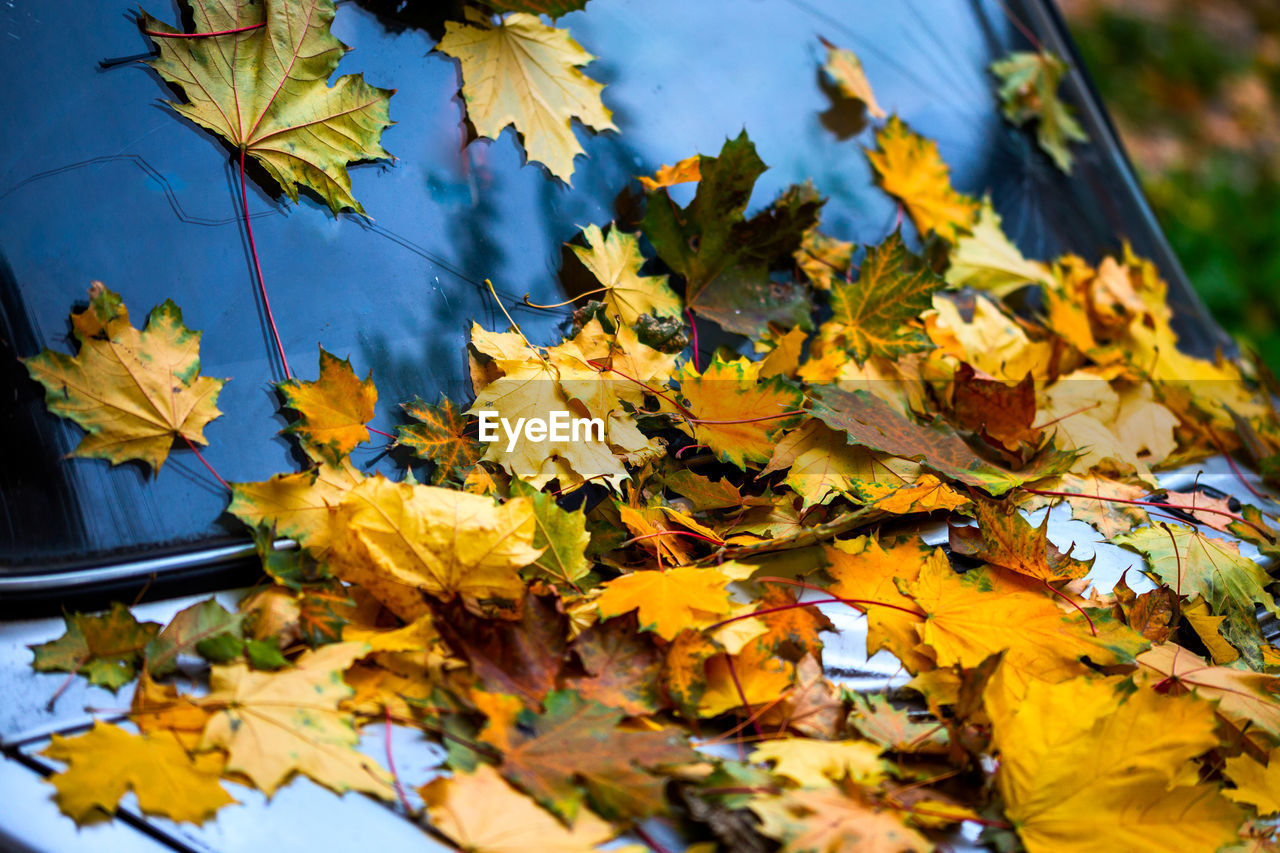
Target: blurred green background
{"x": 1194, "y": 88}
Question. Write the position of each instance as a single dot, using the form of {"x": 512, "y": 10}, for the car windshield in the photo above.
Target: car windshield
{"x": 101, "y": 181}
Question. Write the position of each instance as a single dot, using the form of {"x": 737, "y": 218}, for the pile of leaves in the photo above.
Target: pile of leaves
{"x": 603, "y": 633}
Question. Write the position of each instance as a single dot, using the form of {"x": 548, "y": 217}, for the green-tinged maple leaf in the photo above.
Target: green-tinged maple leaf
{"x": 275, "y": 724}
{"x": 574, "y": 752}
{"x": 1004, "y": 538}
{"x": 440, "y": 436}
{"x": 206, "y": 629}
{"x": 987, "y": 259}
{"x": 523, "y": 73}
{"x": 105, "y": 649}
{"x": 874, "y": 315}
{"x": 134, "y": 392}
{"x": 703, "y": 493}
{"x": 320, "y": 620}
{"x": 332, "y": 410}
{"x": 615, "y": 260}
{"x": 1194, "y": 564}
{"x": 562, "y": 534}
{"x": 868, "y": 421}
{"x": 724, "y": 257}
{"x": 1029, "y": 92}
{"x": 266, "y": 91}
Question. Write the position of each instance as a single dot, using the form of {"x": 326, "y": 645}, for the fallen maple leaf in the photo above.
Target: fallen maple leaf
{"x": 106, "y": 762}
{"x": 275, "y": 724}
{"x": 266, "y": 91}
{"x": 1004, "y": 538}
{"x": 332, "y": 410}
{"x": 524, "y": 73}
{"x": 872, "y": 315}
{"x": 105, "y": 649}
{"x": 622, "y": 667}
{"x": 615, "y": 260}
{"x": 134, "y": 392}
{"x": 1133, "y": 790}
{"x": 441, "y": 541}
{"x": 666, "y": 602}
{"x": 812, "y": 763}
{"x": 440, "y": 436}
{"x": 688, "y": 169}
{"x": 1194, "y": 564}
{"x": 1255, "y": 784}
{"x": 909, "y": 169}
{"x": 577, "y": 742}
{"x": 1246, "y": 699}
{"x": 481, "y": 813}
{"x": 205, "y": 628}
{"x": 986, "y": 259}
{"x": 719, "y": 396}
{"x": 1029, "y": 91}
{"x": 845, "y": 70}
{"x": 827, "y": 821}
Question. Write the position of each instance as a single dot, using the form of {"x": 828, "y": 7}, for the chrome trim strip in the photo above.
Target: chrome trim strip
{"x": 135, "y": 568}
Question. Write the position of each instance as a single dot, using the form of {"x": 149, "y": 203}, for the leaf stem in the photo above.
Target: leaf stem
{"x": 693, "y": 326}
{"x": 257, "y": 266}
{"x": 200, "y": 456}
{"x": 391, "y": 763}
{"x": 737, "y": 685}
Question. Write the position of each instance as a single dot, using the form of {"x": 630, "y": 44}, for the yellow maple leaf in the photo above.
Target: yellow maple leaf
{"x": 1255, "y": 784}
{"x": 1069, "y": 749}
{"x": 524, "y": 73}
{"x": 735, "y": 415}
{"x": 441, "y": 541}
{"x": 985, "y": 611}
{"x": 1245, "y": 699}
{"x": 864, "y": 569}
{"x": 332, "y": 410}
{"x": 133, "y": 392}
{"x": 927, "y": 494}
{"x": 813, "y": 763}
{"x": 481, "y": 813}
{"x": 845, "y": 69}
{"x": 987, "y": 260}
{"x": 273, "y": 724}
{"x": 631, "y": 366}
{"x": 820, "y": 463}
{"x": 910, "y": 170}
{"x": 615, "y": 261}
{"x": 668, "y": 601}
{"x": 824, "y": 260}
{"x": 107, "y": 761}
{"x": 296, "y": 505}
{"x": 762, "y": 676}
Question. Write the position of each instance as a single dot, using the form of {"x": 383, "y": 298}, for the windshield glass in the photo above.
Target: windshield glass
{"x": 101, "y": 181}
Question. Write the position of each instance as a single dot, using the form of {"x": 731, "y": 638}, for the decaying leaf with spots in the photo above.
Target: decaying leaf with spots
{"x": 265, "y": 90}
{"x": 273, "y": 725}
{"x": 134, "y": 392}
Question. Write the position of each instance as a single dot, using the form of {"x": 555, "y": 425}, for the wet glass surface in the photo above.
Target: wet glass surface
{"x": 99, "y": 180}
